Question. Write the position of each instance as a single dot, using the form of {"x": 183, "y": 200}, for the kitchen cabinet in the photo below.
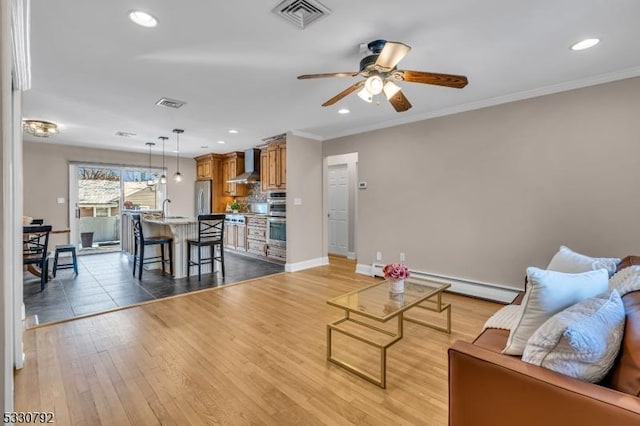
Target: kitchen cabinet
{"x": 273, "y": 163}
{"x": 264, "y": 170}
{"x": 209, "y": 167}
{"x": 257, "y": 235}
{"x": 235, "y": 236}
{"x": 232, "y": 166}
{"x": 204, "y": 167}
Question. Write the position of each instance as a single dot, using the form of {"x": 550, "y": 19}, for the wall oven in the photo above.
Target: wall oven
{"x": 277, "y": 204}
{"x": 277, "y": 231}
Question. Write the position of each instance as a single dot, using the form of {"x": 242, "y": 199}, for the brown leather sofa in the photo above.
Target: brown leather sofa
{"x": 487, "y": 388}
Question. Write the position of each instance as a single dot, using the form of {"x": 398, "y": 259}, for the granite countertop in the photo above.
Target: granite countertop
{"x": 140, "y": 211}
{"x": 172, "y": 221}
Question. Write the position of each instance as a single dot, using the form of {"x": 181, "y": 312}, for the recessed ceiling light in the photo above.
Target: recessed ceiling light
{"x": 221, "y": 142}
{"x": 233, "y": 131}
{"x": 343, "y": 111}
{"x": 585, "y": 44}
{"x": 143, "y": 19}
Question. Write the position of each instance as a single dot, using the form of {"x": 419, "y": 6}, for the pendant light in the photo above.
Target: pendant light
{"x": 150, "y": 176}
{"x": 163, "y": 178}
{"x": 177, "y": 176}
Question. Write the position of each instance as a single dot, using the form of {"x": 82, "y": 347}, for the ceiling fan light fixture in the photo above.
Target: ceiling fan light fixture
{"x": 365, "y": 95}
{"x": 585, "y": 44}
{"x": 143, "y": 19}
{"x": 374, "y": 84}
{"x": 390, "y": 89}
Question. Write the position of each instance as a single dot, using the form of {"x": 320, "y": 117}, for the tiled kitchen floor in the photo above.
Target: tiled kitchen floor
{"x": 105, "y": 281}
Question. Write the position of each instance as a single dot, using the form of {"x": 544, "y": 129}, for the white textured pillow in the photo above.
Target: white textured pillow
{"x": 567, "y": 260}
{"x": 582, "y": 341}
{"x": 548, "y": 293}
{"x": 626, "y": 280}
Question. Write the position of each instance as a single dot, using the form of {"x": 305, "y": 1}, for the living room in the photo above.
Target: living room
{"x": 474, "y": 195}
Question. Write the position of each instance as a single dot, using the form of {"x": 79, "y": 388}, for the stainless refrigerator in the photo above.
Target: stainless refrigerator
{"x": 203, "y": 197}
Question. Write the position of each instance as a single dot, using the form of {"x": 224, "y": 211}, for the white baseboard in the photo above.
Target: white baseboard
{"x": 306, "y": 264}
{"x": 364, "y": 269}
{"x": 489, "y": 291}
{"x": 351, "y": 255}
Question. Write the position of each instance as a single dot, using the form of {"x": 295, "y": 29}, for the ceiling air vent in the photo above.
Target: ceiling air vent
{"x": 171, "y": 103}
{"x": 301, "y": 12}
{"x": 125, "y": 134}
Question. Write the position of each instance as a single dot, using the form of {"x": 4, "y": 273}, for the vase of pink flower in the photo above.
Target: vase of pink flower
{"x": 396, "y": 273}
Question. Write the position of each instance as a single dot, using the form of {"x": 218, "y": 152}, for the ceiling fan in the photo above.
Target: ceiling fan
{"x": 380, "y": 71}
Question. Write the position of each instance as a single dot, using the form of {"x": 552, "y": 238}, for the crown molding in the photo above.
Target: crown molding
{"x": 528, "y": 94}
{"x": 307, "y": 135}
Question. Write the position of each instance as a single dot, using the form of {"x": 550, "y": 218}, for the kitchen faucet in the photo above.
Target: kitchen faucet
{"x": 164, "y": 204}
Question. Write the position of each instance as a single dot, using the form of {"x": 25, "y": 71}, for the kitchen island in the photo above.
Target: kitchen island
{"x": 178, "y": 228}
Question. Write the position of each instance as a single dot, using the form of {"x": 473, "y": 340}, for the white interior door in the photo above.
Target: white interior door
{"x": 338, "y": 209}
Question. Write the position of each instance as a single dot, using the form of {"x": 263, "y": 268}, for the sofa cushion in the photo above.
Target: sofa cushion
{"x": 548, "y": 293}
{"x": 625, "y": 376}
{"x": 569, "y": 261}
{"x": 582, "y": 341}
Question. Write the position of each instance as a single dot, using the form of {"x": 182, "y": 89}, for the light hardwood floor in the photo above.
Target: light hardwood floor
{"x": 252, "y": 353}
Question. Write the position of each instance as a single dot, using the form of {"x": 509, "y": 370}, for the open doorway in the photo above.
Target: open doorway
{"x": 341, "y": 204}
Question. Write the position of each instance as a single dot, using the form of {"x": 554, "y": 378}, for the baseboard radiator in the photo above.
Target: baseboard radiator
{"x": 467, "y": 287}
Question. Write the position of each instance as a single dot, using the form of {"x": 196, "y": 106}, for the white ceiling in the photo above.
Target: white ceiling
{"x": 235, "y": 64}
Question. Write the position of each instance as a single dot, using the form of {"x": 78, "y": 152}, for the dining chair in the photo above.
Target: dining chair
{"x": 140, "y": 242}
{"x": 210, "y": 234}
{"x": 35, "y": 249}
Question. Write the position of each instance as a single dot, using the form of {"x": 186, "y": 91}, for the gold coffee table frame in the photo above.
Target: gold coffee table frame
{"x": 376, "y": 303}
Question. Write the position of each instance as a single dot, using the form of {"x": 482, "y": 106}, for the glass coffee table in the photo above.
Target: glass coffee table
{"x": 376, "y": 303}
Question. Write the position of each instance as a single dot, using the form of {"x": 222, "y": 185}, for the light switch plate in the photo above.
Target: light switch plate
{"x": 297, "y": 201}
{"x": 60, "y": 200}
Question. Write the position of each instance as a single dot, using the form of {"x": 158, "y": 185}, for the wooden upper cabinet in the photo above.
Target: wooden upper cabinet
{"x": 264, "y": 170}
{"x": 232, "y": 166}
{"x": 204, "y": 167}
{"x": 282, "y": 163}
{"x": 273, "y": 162}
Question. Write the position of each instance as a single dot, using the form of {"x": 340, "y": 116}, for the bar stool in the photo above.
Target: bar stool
{"x": 65, "y": 248}
{"x": 210, "y": 234}
{"x": 140, "y": 242}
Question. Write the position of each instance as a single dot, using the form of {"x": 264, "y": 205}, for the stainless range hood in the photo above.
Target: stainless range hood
{"x": 251, "y": 168}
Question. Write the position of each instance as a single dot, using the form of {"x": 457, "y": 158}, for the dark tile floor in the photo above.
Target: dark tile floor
{"x": 104, "y": 281}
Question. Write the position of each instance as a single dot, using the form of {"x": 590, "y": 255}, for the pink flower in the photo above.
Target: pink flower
{"x": 396, "y": 271}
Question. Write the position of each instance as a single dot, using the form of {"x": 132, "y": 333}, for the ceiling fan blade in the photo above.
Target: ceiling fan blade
{"x": 344, "y": 93}
{"x": 400, "y": 102}
{"x": 328, "y": 74}
{"x": 448, "y": 80}
{"x": 391, "y": 54}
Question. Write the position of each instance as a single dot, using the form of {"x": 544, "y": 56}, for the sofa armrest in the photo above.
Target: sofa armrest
{"x": 491, "y": 389}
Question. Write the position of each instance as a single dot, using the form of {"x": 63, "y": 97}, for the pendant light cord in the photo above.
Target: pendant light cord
{"x": 177, "y": 176}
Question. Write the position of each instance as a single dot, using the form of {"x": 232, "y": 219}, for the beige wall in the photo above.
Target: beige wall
{"x": 304, "y": 181}
{"x": 483, "y": 194}
{"x": 46, "y": 177}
